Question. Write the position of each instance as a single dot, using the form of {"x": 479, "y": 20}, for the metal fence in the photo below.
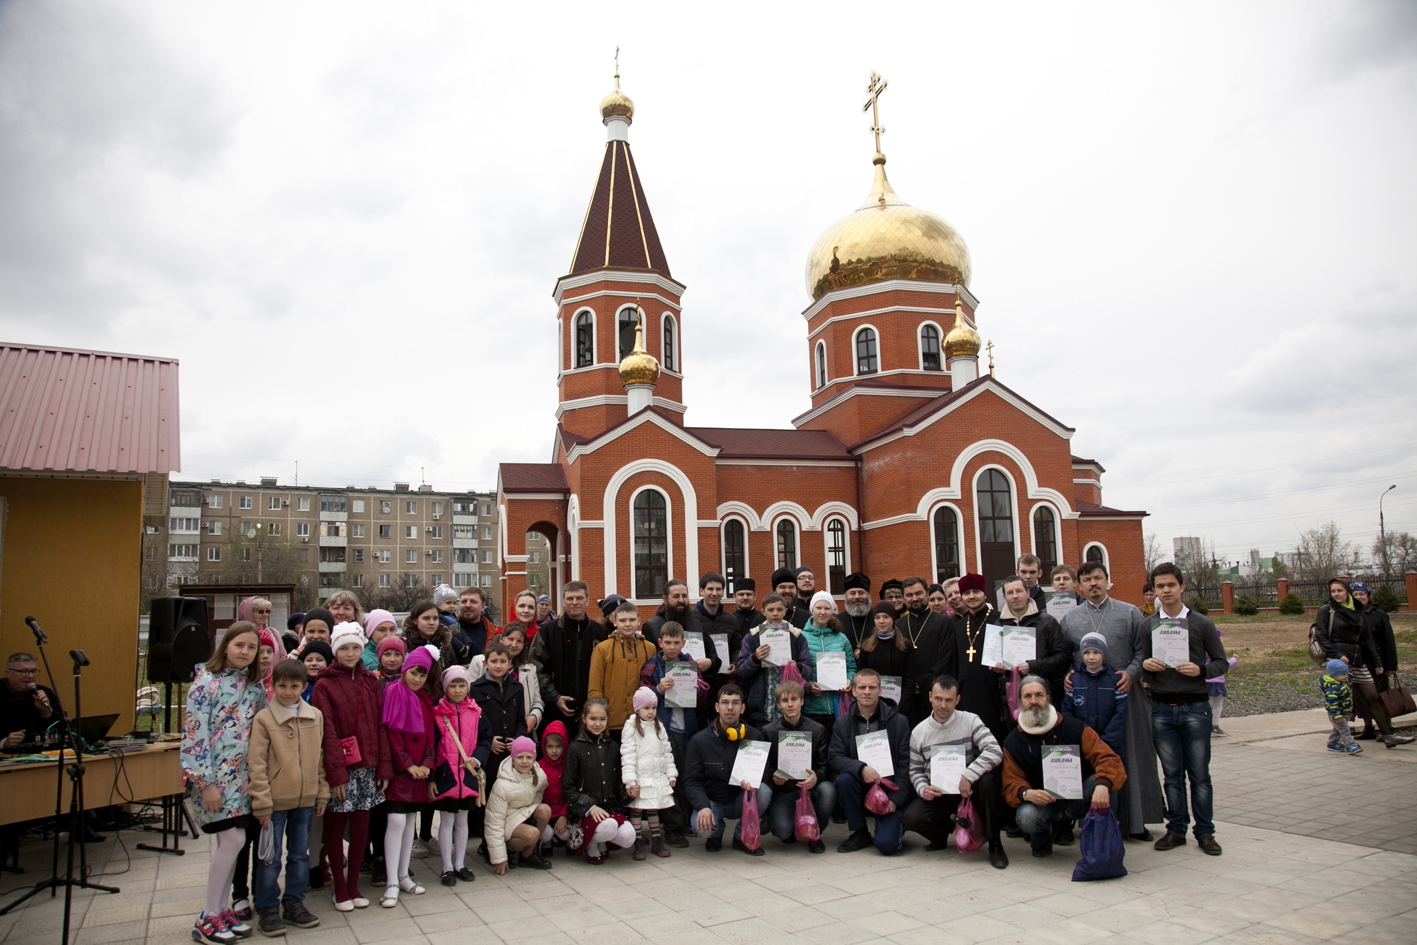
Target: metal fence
{"x": 1314, "y": 593}
{"x": 1263, "y": 593}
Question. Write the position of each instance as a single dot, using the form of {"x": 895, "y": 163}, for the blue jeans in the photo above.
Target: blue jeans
{"x": 292, "y": 826}
{"x": 1182, "y": 737}
{"x": 852, "y": 791}
{"x": 1035, "y": 819}
{"x": 734, "y": 811}
{"x": 783, "y": 813}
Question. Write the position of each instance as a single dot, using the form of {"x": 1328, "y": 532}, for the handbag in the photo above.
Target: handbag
{"x": 1100, "y": 850}
{"x": 468, "y": 763}
{"x": 1316, "y": 648}
{"x": 1397, "y": 698}
{"x": 350, "y": 747}
{"x": 806, "y": 829}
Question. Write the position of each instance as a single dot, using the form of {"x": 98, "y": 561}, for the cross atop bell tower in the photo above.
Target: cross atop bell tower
{"x": 873, "y": 105}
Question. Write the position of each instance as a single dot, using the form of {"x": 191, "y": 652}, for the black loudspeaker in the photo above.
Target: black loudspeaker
{"x": 178, "y": 639}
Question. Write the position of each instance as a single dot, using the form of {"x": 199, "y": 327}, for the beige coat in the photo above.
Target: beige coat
{"x": 514, "y": 799}
{"x": 286, "y": 759}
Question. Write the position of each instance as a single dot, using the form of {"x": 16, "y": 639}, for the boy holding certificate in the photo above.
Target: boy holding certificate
{"x": 715, "y": 794}
{"x": 871, "y": 742}
{"x": 756, "y": 670}
{"x": 1180, "y": 650}
{"x": 798, "y": 759}
{"x": 674, "y": 676}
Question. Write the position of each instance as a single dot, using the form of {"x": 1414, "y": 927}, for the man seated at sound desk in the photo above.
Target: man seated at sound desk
{"x": 27, "y": 709}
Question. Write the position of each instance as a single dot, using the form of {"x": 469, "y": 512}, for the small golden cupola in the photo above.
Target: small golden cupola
{"x": 962, "y": 349}
{"x": 617, "y": 111}
{"x": 639, "y": 371}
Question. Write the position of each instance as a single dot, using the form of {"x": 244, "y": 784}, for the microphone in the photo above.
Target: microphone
{"x": 39, "y": 636}
{"x": 78, "y": 657}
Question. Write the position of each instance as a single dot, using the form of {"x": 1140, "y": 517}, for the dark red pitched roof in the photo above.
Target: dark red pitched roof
{"x": 619, "y": 232}
{"x": 736, "y": 443}
{"x": 1092, "y": 508}
{"x": 532, "y": 477}
{"x": 920, "y": 413}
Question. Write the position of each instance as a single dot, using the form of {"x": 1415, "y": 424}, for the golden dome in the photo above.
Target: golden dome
{"x": 617, "y": 102}
{"x": 886, "y": 238}
{"x": 639, "y": 366}
{"x": 962, "y": 340}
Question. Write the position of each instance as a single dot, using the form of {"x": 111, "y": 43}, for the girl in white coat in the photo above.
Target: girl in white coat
{"x": 647, "y": 770}
{"x": 515, "y": 814}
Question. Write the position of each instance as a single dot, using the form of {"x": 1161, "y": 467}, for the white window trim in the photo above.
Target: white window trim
{"x": 668, "y": 538}
{"x": 1057, "y": 529}
{"x": 1106, "y": 558}
{"x": 920, "y": 346}
{"x": 959, "y": 538}
{"x": 664, "y": 353}
{"x": 772, "y": 530}
{"x": 1013, "y": 501}
{"x": 856, "y": 359}
{"x": 821, "y": 371}
{"x": 723, "y": 544}
{"x": 826, "y": 549}
{"x": 594, "y": 341}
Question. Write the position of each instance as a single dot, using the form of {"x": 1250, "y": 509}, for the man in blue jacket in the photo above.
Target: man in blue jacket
{"x": 870, "y": 715}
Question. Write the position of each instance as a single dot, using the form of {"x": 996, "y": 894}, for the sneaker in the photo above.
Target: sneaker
{"x": 269, "y": 922}
{"x": 658, "y": 848}
{"x": 1218, "y": 732}
{"x": 293, "y": 912}
{"x": 243, "y": 910}
{"x": 742, "y": 847}
{"x": 1169, "y": 841}
{"x": 465, "y": 874}
{"x": 1350, "y": 750}
{"x": 450, "y": 878}
{"x": 859, "y": 840}
{"x": 713, "y": 844}
{"x": 676, "y": 840}
{"x": 641, "y": 849}
{"x": 212, "y": 930}
{"x": 1340, "y": 749}
{"x": 420, "y": 850}
{"x": 816, "y": 846}
{"x": 534, "y": 861}
{"x": 235, "y": 924}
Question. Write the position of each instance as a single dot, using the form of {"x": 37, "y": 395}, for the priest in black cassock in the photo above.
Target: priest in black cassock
{"x": 927, "y": 632}
{"x": 981, "y": 690}
{"x": 856, "y": 620}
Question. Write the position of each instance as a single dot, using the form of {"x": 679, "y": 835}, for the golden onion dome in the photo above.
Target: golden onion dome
{"x": 962, "y": 340}
{"x": 886, "y": 238}
{"x": 639, "y": 366}
{"x": 617, "y": 103}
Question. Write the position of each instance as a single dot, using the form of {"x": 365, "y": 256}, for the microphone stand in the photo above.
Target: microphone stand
{"x": 70, "y": 734}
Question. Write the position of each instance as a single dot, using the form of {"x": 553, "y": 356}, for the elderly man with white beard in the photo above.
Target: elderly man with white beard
{"x": 856, "y": 621}
{"x": 1041, "y": 727}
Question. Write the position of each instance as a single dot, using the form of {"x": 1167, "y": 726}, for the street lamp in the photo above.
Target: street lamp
{"x": 1382, "y": 532}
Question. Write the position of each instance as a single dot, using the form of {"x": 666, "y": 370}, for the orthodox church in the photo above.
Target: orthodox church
{"x": 910, "y": 461}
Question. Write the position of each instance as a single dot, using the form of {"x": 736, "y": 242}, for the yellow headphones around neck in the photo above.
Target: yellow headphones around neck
{"x": 736, "y": 733}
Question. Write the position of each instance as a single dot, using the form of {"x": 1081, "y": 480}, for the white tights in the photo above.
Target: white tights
{"x": 550, "y": 832}
{"x": 608, "y": 831}
{"x": 223, "y": 868}
{"x": 452, "y": 839}
{"x": 1217, "y": 707}
{"x": 398, "y": 846}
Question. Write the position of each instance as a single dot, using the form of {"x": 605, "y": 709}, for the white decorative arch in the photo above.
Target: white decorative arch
{"x": 959, "y": 537}
{"x": 954, "y": 491}
{"x": 797, "y": 526}
{"x": 1057, "y": 529}
{"x": 723, "y": 545}
{"x": 668, "y": 530}
{"x": 744, "y": 511}
{"x": 855, "y": 359}
{"x": 974, "y": 500}
{"x": 786, "y": 507}
{"x": 826, "y": 509}
{"x": 691, "y": 508}
{"x": 594, "y": 341}
{"x": 1106, "y": 558}
{"x": 920, "y": 343}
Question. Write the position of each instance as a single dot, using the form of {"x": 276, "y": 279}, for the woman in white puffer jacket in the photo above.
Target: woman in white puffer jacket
{"x": 515, "y": 817}
{"x": 647, "y": 770}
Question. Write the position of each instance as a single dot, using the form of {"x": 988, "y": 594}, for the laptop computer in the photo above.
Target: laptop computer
{"x": 94, "y": 728}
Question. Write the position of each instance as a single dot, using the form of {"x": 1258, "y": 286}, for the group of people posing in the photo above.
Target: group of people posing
{"x": 899, "y": 710}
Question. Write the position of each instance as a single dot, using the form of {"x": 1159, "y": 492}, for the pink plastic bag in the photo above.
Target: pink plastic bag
{"x": 844, "y": 702}
{"x": 807, "y": 827}
{"x": 1011, "y": 688}
{"x": 969, "y": 830}
{"x": 877, "y": 802}
{"x": 752, "y": 831}
{"x": 790, "y": 673}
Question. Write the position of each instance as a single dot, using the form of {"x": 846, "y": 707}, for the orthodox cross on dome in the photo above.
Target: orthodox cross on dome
{"x": 617, "y": 68}
{"x": 873, "y": 105}
{"x": 990, "y": 346}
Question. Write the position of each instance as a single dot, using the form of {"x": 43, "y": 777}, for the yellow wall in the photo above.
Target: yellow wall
{"x": 73, "y": 561}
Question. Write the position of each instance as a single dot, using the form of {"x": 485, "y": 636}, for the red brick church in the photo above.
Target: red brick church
{"x": 909, "y": 462}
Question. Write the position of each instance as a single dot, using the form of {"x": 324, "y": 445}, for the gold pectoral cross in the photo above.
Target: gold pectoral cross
{"x": 971, "y": 651}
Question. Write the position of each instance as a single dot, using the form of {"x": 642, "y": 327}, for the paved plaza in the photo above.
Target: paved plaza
{"x": 1318, "y": 847}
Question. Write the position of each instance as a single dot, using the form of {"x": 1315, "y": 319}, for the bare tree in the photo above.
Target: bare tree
{"x": 1152, "y": 555}
{"x": 1323, "y": 553}
{"x": 255, "y": 556}
{"x": 1201, "y": 571}
{"x": 1396, "y": 558}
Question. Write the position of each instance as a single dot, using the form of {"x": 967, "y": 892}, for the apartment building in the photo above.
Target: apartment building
{"x": 386, "y": 543}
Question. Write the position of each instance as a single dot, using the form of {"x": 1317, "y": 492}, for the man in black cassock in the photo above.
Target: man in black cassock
{"x": 981, "y": 690}
{"x": 927, "y": 632}
{"x": 856, "y": 617}
{"x": 784, "y": 582}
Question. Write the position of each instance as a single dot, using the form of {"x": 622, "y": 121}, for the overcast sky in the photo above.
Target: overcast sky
{"x": 1192, "y": 226}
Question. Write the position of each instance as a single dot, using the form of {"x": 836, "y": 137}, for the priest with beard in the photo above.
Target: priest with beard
{"x": 784, "y": 582}
{"x": 928, "y": 635}
{"x": 856, "y": 619}
{"x": 745, "y": 593}
{"x": 981, "y": 690}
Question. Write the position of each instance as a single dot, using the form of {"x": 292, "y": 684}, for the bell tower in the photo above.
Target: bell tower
{"x": 619, "y": 271}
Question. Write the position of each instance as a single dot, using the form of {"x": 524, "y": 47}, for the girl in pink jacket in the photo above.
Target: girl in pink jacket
{"x": 461, "y": 731}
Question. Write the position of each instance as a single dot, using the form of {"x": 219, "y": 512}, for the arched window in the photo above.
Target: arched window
{"x": 836, "y": 556}
{"x": 930, "y": 348}
{"x": 946, "y": 544}
{"x": 1095, "y": 553}
{"x": 866, "y": 351}
{"x": 669, "y": 361}
{"x": 651, "y": 530}
{"x": 1045, "y": 538}
{"x": 994, "y": 505}
{"x": 629, "y": 318}
{"x": 735, "y": 553}
{"x": 585, "y": 339}
{"x": 821, "y": 365}
{"x": 786, "y": 544}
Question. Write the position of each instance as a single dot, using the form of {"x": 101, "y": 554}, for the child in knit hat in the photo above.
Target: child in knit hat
{"x": 647, "y": 770}
{"x": 1095, "y": 699}
{"x": 516, "y": 814}
{"x": 1338, "y": 700}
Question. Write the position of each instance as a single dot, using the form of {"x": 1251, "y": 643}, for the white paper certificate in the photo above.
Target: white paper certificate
{"x": 1171, "y": 643}
{"x": 993, "y": 645}
{"x": 684, "y": 694}
{"x": 890, "y": 689}
{"x": 781, "y": 643}
{"x": 874, "y": 749}
{"x": 720, "y": 643}
{"x": 750, "y": 763}
{"x": 1020, "y": 645}
{"x": 831, "y": 671}
{"x": 694, "y": 646}
{"x": 1062, "y": 771}
{"x": 794, "y": 754}
{"x": 946, "y": 767}
{"x": 1059, "y": 604}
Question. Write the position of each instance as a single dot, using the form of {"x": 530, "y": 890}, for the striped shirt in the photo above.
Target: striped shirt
{"x": 981, "y": 750}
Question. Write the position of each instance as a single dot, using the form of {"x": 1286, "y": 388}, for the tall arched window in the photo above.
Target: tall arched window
{"x": 836, "y": 556}
{"x": 629, "y": 318}
{"x": 735, "y": 553}
{"x": 786, "y": 544}
{"x": 1095, "y": 553}
{"x": 930, "y": 348}
{"x": 821, "y": 365}
{"x": 866, "y": 360}
{"x": 1045, "y": 538}
{"x": 585, "y": 339}
{"x": 651, "y": 530}
{"x": 994, "y": 504}
{"x": 669, "y": 361}
{"x": 946, "y": 544}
